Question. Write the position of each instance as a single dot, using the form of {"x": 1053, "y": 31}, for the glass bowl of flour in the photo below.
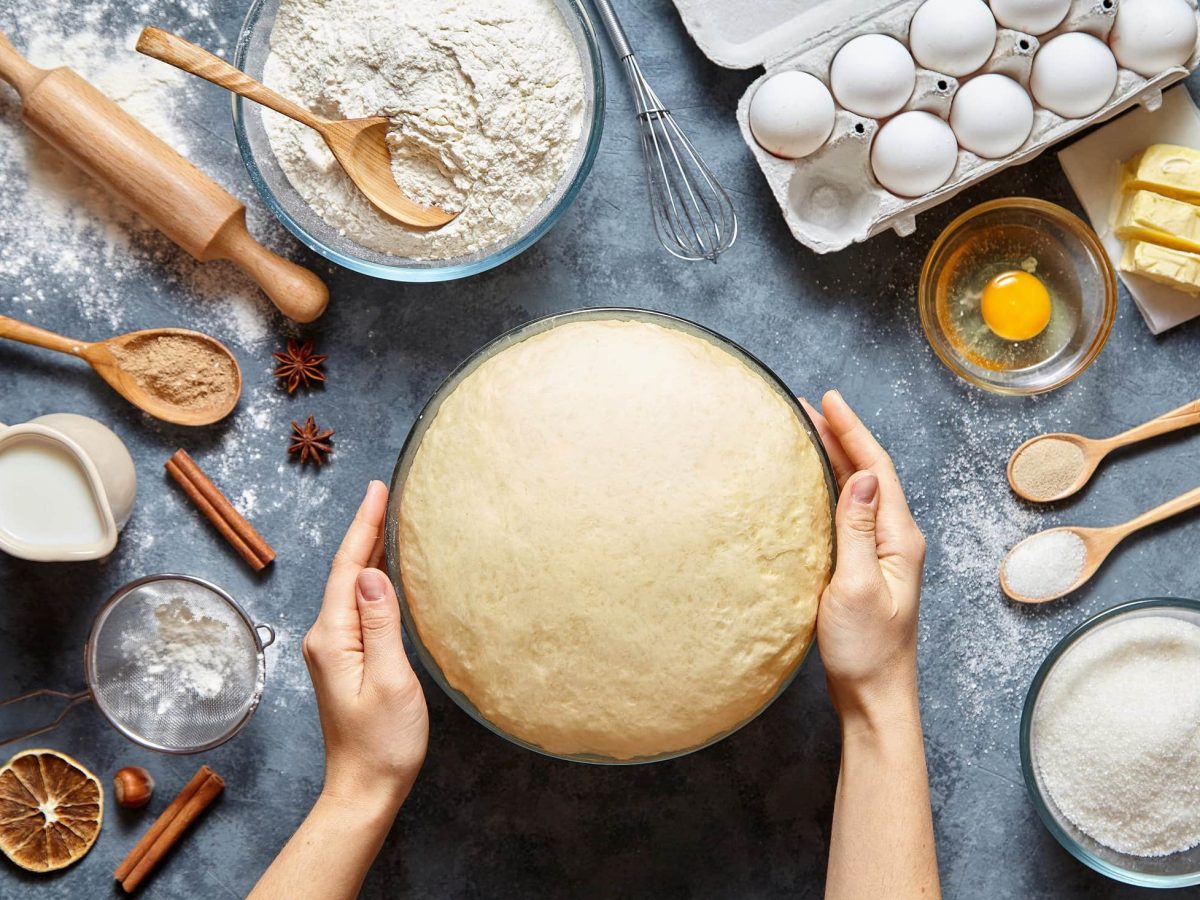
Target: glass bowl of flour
{"x": 496, "y": 106}
{"x": 1110, "y": 742}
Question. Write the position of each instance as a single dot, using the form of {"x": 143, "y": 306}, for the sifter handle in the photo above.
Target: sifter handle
{"x": 73, "y": 701}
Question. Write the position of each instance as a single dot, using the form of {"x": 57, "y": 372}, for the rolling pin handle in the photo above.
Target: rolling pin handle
{"x": 298, "y": 293}
{"x": 17, "y": 70}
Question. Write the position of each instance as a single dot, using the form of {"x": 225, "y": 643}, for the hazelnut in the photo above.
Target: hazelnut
{"x": 133, "y": 787}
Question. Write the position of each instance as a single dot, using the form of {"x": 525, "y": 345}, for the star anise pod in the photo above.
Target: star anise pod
{"x": 299, "y": 365}
{"x": 310, "y": 442}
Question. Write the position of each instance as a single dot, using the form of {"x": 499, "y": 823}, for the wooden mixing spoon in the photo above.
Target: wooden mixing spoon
{"x": 109, "y": 367}
{"x": 1096, "y": 449}
{"x": 1098, "y": 543}
{"x": 359, "y": 145}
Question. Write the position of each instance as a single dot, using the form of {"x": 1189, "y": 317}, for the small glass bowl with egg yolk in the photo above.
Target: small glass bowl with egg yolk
{"x": 1017, "y": 296}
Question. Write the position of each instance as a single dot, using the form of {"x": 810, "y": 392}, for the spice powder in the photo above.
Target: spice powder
{"x": 179, "y": 369}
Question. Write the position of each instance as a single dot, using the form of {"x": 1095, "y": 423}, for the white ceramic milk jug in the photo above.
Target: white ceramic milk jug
{"x": 67, "y": 485}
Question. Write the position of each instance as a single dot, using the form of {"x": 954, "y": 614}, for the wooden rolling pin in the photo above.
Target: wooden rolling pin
{"x": 143, "y": 172}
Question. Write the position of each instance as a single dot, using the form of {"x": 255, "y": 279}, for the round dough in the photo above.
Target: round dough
{"x": 613, "y": 538}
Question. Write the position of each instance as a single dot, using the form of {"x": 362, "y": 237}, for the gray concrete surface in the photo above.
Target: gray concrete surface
{"x": 747, "y": 818}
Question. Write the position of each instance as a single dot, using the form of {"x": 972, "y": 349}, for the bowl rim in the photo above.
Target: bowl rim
{"x": 1032, "y": 786}
{"x": 426, "y": 273}
{"x": 1073, "y": 224}
{"x": 428, "y": 413}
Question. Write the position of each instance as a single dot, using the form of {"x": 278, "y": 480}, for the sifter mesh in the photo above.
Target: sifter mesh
{"x": 175, "y": 665}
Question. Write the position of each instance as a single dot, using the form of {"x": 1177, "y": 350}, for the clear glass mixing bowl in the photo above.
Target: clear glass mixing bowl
{"x": 250, "y": 55}
{"x": 1174, "y": 871}
{"x": 421, "y": 425}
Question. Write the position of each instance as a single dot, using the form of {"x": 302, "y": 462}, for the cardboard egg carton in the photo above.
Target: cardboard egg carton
{"x": 831, "y": 198}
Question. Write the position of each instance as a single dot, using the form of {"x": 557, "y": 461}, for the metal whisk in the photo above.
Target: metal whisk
{"x": 693, "y": 216}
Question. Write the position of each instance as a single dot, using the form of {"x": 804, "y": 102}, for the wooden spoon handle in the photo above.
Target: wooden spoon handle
{"x": 39, "y": 337}
{"x": 1180, "y": 504}
{"x": 17, "y": 70}
{"x": 1184, "y": 417}
{"x": 298, "y": 293}
{"x": 185, "y": 55}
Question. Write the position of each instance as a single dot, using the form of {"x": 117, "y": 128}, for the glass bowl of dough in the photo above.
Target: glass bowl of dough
{"x": 497, "y": 110}
{"x": 609, "y": 530}
{"x": 1110, "y": 742}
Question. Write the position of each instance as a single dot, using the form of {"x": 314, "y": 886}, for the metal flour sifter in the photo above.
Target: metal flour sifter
{"x": 173, "y": 663}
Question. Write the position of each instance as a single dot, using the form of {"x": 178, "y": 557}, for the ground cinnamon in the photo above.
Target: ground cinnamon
{"x": 215, "y": 506}
{"x": 180, "y": 369}
{"x": 166, "y": 831}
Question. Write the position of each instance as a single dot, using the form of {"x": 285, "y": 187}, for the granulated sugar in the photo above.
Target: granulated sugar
{"x": 1116, "y": 735}
{"x": 1046, "y": 564}
{"x": 1047, "y": 468}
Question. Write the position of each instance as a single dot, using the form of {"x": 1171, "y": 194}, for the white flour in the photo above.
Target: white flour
{"x": 1117, "y": 735}
{"x": 186, "y": 656}
{"x": 485, "y": 96}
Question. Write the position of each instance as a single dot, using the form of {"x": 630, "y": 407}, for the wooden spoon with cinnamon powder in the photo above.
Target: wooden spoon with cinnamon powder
{"x": 176, "y": 375}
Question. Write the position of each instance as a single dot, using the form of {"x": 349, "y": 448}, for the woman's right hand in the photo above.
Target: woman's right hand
{"x": 867, "y": 621}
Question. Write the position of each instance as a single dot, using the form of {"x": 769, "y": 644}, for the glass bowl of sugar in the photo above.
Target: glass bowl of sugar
{"x": 1110, "y": 742}
{"x": 502, "y": 130}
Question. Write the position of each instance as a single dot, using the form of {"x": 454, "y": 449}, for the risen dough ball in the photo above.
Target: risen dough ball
{"x": 613, "y": 538}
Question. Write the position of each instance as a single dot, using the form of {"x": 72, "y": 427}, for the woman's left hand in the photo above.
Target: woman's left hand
{"x": 371, "y": 705}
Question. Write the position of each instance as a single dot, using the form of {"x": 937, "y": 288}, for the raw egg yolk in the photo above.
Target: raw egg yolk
{"x": 1016, "y": 306}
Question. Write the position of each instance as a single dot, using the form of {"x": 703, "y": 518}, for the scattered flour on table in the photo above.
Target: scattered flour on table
{"x": 62, "y": 235}
{"x": 486, "y": 99}
{"x": 971, "y": 520}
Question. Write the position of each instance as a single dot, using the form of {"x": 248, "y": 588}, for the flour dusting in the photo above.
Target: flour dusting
{"x": 58, "y": 227}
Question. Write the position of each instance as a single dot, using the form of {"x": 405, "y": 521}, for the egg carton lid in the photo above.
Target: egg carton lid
{"x": 741, "y": 35}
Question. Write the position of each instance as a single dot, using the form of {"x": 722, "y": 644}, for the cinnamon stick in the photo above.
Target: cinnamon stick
{"x": 215, "y": 506}
{"x": 196, "y": 795}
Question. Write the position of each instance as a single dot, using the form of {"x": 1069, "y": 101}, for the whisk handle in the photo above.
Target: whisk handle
{"x": 612, "y": 25}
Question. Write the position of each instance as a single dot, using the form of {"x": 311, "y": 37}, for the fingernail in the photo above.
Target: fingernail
{"x": 372, "y": 586}
{"x": 864, "y": 488}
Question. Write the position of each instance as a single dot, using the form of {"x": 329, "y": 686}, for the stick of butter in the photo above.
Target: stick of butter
{"x": 1164, "y": 264}
{"x": 1165, "y": 169}
{"x": 1145, "y": 216}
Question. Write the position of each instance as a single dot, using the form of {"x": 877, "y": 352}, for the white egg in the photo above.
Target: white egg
{"x": 1151, "y": 36}
{"x": 1030, "y": 16}
{"x": 791, "y": 114}
{"x": 1074, "y": 74}
{"x": 954, "y": 37}
{"x": 873, "y": 75}
{"x": 991, "y": 116}
{"x": 914, "y": 153}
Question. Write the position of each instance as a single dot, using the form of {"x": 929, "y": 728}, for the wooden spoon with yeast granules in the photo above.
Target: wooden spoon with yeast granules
{"x": 1055, "y": 466}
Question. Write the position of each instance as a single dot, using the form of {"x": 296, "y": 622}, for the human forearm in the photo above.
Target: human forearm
{"x": 329, "y": 855}
{"x": 882, "y": 842}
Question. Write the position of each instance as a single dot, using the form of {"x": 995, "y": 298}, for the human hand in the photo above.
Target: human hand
{"x": 867, "y": 620}
{"x": 371, "y": 704}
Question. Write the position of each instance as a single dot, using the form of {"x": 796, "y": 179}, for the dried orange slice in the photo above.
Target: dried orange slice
{"x": 51, "y": 809}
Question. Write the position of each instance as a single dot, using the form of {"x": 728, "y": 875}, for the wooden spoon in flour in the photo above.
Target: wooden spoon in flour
{"x": 359, "y": 145}
{"x": 194, "y": 380}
